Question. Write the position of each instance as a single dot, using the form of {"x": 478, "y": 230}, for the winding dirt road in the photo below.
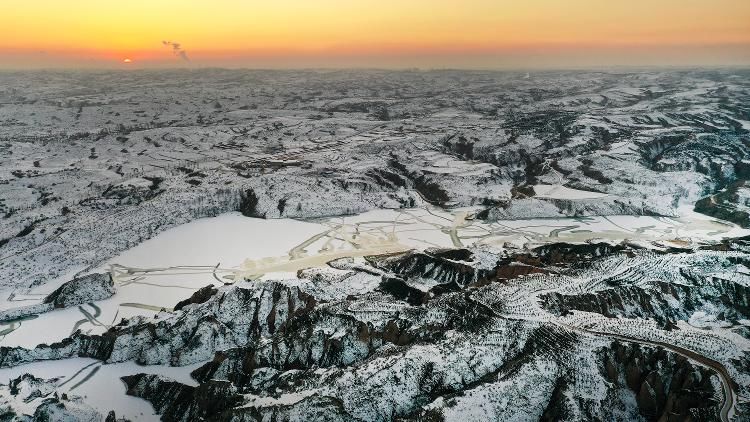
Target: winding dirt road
{"x": 730, "y": 394}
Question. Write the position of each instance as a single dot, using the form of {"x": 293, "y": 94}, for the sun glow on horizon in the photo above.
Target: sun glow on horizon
{"x": 372, "y": 32}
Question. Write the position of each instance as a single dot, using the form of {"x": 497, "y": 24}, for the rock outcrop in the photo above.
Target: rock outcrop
{"x": 28, "y": 398}
{"x": 89, "y": 288}
{"x": 86, "y": 289}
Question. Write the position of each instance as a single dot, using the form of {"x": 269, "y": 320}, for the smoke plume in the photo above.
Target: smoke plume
{"x": 177, "y": 49}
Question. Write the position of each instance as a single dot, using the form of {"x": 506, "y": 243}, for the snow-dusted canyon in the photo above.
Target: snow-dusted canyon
{"x": 257, "y": 245}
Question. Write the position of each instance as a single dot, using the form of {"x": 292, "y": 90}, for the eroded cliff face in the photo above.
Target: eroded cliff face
{"x": 666, "y": 386}
{"x": 558, "y": 332}
{"x": 731, "y": 203}
{"x": 236, "y": 316}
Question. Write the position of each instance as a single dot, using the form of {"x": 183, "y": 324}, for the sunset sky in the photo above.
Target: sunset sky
{"x": 367, "y": 33}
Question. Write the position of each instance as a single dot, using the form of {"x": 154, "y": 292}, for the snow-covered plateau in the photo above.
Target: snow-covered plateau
{"x": 237, "y": 245}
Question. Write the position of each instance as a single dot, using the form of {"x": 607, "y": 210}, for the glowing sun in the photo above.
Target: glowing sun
{"x": 127, "y": 61}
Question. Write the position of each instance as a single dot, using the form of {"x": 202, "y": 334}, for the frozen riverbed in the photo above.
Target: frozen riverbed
{"x": 160, "y": 272}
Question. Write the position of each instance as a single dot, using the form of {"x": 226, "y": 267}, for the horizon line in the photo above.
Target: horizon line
{"x": 509, "y": 68}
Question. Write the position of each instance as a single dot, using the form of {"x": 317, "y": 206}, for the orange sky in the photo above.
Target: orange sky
{"x": 382, "y": 33}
